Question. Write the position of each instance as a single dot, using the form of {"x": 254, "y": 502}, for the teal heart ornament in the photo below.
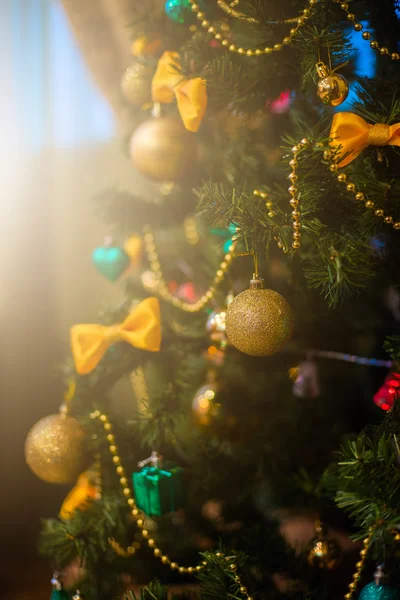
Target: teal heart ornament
{"x": 111, "y": 261}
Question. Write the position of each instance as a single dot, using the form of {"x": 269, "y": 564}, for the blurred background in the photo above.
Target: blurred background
{"x": 60, "y": 144}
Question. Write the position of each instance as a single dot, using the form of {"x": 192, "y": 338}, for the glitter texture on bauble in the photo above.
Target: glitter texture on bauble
{"x": 259, "y": 322}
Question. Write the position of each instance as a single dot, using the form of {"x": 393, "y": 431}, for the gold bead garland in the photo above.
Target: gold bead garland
{"x": 295, "y": 199}
{"x": 360, "y": 566}
{"x": 366, "y": 34}
{"x": 230, "y": 10}
{"x": 139, "y": 516}
{"x": 236, "y": 576}
{"x": 161, "y": 287}
{"x": 300, "y": 21}
{"x": 120, "y": 550}
{"x": 98, "y": 480}
{"x": 271, "y": 213}
{"x": 359, "y": 196}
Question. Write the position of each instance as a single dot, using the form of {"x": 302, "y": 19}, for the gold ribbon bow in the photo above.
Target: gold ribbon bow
{"x": 141, "y": 329}
{"x": 190, "y": 94}
{"x": 354, "y": 134}
{"x": 80, "y": 496}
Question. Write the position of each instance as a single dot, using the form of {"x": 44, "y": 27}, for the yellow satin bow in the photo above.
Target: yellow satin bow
{"x": 141, "y": 329}
{"x": 354, "y": 134}
{"x": 190, "y": 94}
{"x": 79, "y": 497}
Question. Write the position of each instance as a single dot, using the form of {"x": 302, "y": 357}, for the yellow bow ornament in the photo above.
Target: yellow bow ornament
{"x": 190, "y": 94}
{"x": 80, "y": 496}
{"x": 354, "y": 134}
{"x": 141, "y": 329}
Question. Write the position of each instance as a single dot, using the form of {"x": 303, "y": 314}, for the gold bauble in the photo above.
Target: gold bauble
{"x": 259, "y": 322}
{"x": 324, "y": 554}
{"x": 136, "y": 83}
{"x": 163, "y": 149}
{"x": 55, "y": 449}
{"x": 333, "y": 89}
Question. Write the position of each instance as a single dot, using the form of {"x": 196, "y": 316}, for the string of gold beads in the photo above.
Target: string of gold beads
{"x": 359, "y": 196}
{"x": 301, "y": 20}
{"x": 160, "y": 286}
{"x": 271, "y": 213}
{"x": 139, "y": 516}
{"x": 360, "y": 566}
{"x": 294, "y": 192}
{"x": 294, "y": 200}
{"x": 236, "y": 577}
{"x": 366, "y": 34}
{"x": 98, "y": 480}
{"x": 120, "y": 550}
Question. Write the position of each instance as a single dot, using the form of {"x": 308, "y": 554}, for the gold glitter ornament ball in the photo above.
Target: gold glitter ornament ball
{"x": 259, "y": 322}
{"x": 136, "y": 83}
{"x": 55, "y": 449}
{"x": 162, "y": 149}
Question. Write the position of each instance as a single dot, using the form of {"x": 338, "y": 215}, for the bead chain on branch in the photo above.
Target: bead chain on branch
{"x": 236, "y": 576}
{"x": 139, "y": 516}
{"x": 366, "y": 34}
{"x": 161, "y": 287}
{"x": 301, "y": 20}
{"x": 360, "y": 566}
{"x": 165, "y": 560}
{"x": 294, "y": 192}
{"x": 294, "y": 200}
{"x": 342, "y": 178}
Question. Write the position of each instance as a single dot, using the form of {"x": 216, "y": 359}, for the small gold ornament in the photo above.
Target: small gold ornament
{"x": 55, "y": 449}
{"x": 325, "y": 553}
{"x": 259, "y": 322}
{"x": 162, "y": 149}
{"x": 136, "y": 83}
{"x": 332, "y": 88}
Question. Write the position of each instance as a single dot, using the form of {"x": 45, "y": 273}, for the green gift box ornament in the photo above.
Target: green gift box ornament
{"x": 158, "y": 490}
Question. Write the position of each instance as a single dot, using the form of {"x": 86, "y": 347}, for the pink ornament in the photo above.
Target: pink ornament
{"x": 281, "y": 104}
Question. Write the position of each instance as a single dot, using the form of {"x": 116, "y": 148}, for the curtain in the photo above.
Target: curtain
{"x": 101, "y": 28}
{"x": 58, "y": 139}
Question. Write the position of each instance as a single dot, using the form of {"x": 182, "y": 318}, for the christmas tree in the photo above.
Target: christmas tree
{"x": 224, "y": 426}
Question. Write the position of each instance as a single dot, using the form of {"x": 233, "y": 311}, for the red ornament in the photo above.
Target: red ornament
{"x": 387, "y": 394}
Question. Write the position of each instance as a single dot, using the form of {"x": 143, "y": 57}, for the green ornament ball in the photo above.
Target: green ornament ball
{"x": 111, "y": 261}
{"x": 178, "y": 10}
{"x": 374, "y": 591}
